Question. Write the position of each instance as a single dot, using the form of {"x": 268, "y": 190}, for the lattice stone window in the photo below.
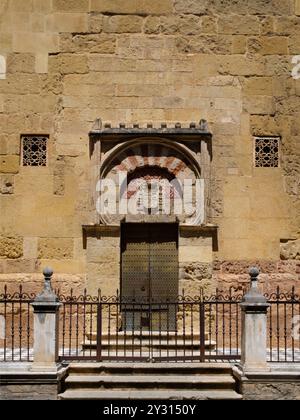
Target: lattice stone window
{"x": 267, "y": 152}
{"x": 34, "y": 150}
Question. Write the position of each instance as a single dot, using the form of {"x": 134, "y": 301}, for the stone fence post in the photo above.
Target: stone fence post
{"x": 254, "y": 327}
{"x": 46, "y": 316}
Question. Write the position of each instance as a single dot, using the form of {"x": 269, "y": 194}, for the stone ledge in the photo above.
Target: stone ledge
{"x": 278, "y": 384}
{"x": 266, "y": 377}
{"x": 19, "y": 383}
{"x": 115, "y": 133}
{"x": 21, "y": 373}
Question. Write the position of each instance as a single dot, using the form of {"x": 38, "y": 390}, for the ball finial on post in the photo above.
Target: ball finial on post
{"x": 254, "y": 273}
{"x": 48, "y": 272}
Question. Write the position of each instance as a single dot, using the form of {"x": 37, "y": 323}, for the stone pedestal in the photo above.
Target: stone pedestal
{"x": 254, "y": 328}
{"x": 46, "y": 316}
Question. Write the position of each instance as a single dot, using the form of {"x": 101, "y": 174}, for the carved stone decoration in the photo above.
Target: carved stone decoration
{"x": 147, "y": 153}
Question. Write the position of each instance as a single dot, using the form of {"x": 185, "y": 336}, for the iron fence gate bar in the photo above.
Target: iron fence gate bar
{"x": 118, "y": 329}
{"x": 17, "y": 341}
{"x": 99, "y": 328}
{"x": 283, "y": 312}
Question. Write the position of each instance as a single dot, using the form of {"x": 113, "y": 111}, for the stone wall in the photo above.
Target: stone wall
{"x": 271, "y": 391}
{"x": 65, "y": 63}
{"x": 28, "y": 392}
{"x": 18, "y": 382}
{"x": 280, "y": 382}
{"x": 282, "y": 274}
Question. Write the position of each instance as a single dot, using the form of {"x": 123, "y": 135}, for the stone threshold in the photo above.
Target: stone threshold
{"x": 289, "y": 373}
{"x": 22, "y": 373}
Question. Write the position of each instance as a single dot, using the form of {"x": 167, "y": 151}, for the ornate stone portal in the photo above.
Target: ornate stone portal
{"x": 172, "y": 155}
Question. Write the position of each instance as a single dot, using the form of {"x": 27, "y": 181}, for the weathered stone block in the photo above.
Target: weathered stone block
{"x": 272, "y": 7}
{"x": 41, "y": 63}
{"x": 11, "y": 248}
{"x": 268, "y": 26}
{"x": 67, "y": 22}
{"x": 71, "y": 63}
{"x": 189, "y": 254}
{"x": 297, "y": 7}
{"x": 123, "y": 24}
{"x": 152, "y": 25}
{"x": 272, "y": 389}
{"x": 290, "y": 250}
{"x": 195, "y": 271}
{"x": 239, "y": 25}
{"x": 30, "y": 246}
{"x": 29, "y": 392}
{"x": 3, "y": 144}
{"x": 132, "y": 6}
{"x": 7, "y": 184}
{"x": 35, "y": 42}
{"x": 71, "y": 5}
{"x": 59, "y": 177}
{"x": 20, "y": 6}
{"x": 6, "y": 42}
{"x": 258, "y": 86}
{"x": 192, "y": 239}
{"x": 55, "y": 248}
{"x": 95, "y": 23}
{"x": 37, "y": 22}
{"x": 206, "y": 44}
{"x": 20, "y": 63}
{"x": 9, "y": 164}
{"x": 240, "y": 66}
{"x": 287, "y": 25}
{"x": 209, "y": 24}
{"x": 239, "y": 44}
{"x": 20, "y": 266}
{"x": 239, "y": 7}
{"x": 274, "y": 126}
{"x": 99, "y": 253}
{"x": 42, "y": 6}
{"x": 259, "y": 105}
{"x": 269, "y": 45}
{"x": 95, "y": 43}
{"x": 191, "y": 6}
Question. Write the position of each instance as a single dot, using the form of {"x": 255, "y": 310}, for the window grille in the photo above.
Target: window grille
{"x": 266, "y": 154}
{"x": 34, "y": 150}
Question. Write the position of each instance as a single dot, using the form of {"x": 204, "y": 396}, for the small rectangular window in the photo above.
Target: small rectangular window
{"x": 34, "y": 150}
{"x": 266, "y": 153}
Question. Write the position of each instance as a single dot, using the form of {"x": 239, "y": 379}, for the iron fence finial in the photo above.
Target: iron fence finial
{"x": 47, "y": 294}
{"x": 48, "y": 273}
{"x": 254, "y": 296}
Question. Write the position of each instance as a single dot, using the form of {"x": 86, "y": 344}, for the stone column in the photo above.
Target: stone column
{"x": 254, "y": 327}
{"x": 46, "y": 316}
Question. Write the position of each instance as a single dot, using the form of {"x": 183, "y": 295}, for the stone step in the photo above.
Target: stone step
{"x": 171, "y": 335}
{"x": 144, "y": 344}
{"x": 176, "y": 394}
{"x": 119, "y": 382}
{"x": 149, "y": 368}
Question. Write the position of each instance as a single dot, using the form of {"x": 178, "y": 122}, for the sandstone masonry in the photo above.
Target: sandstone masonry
{"x": 65, "y": 63}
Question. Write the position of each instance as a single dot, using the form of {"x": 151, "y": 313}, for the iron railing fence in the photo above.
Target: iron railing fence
{"x": 195, "y": 329}
{"x": 283, "y": 326}
{"x": 16, "y": 326}
{"x": 114, "y": 328}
